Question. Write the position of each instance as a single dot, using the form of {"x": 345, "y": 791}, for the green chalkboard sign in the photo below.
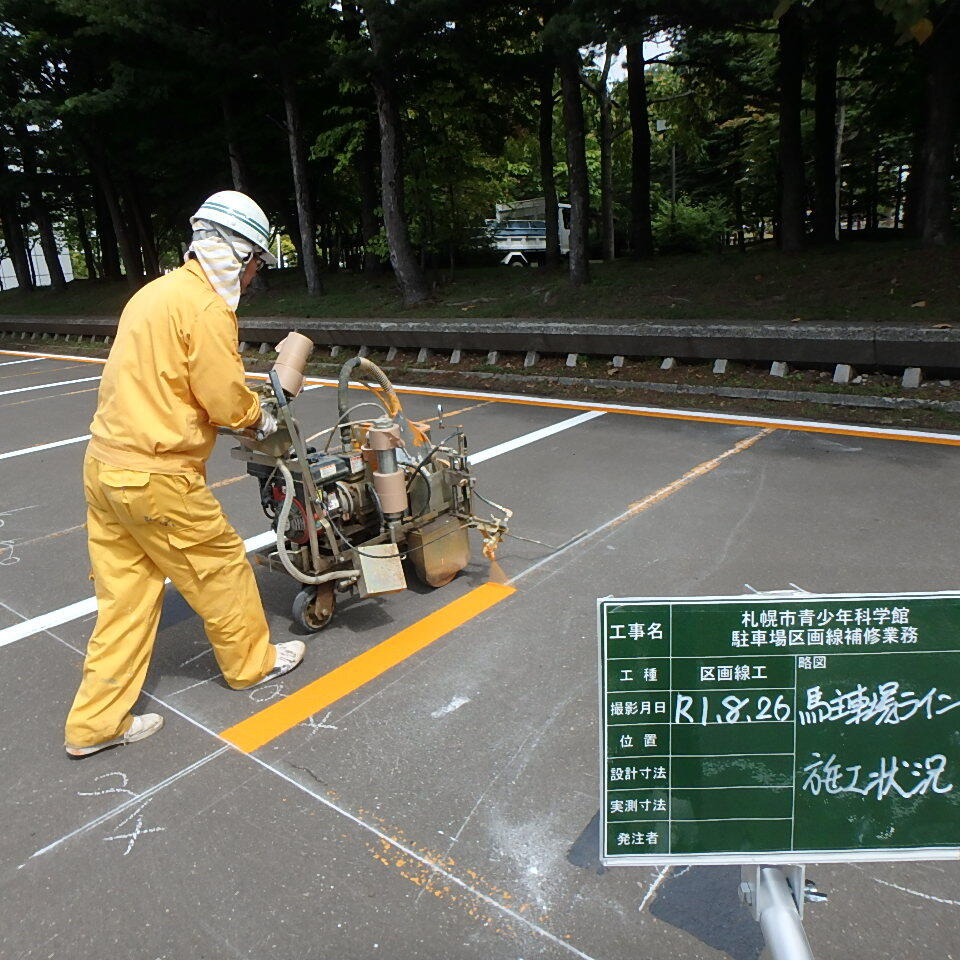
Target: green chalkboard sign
{"x": 781, "y": 728}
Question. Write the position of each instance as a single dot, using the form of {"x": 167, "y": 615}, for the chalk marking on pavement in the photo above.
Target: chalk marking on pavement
{"x": 268, "y": 724}
{"x": 39, "y": 447}
{"x": 47, "y": 386}
{"x": 917, "y": 893}
{"x": 652, "y": 889}
{"x": 353, "y": 818}
{"x": 198, "y": 683}
{"x": 197, "y": 656}
{"x": 455, "y": 704}
{"x": 429, "y": 864}
{"x": 662, "y": 413}
{"x": 132, "y": 801}
{"x": 641, "y": 505}
{"x": 81, "y": 608}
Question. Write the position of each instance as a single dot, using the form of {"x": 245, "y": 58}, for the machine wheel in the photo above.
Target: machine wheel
{"x": 313, "y": 607}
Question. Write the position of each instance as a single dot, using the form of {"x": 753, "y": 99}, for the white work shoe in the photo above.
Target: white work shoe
{"x": 289, "y": 655}
{"x": 141, "y": 728}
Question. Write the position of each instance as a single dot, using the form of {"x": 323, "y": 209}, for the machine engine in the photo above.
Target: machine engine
{"x": 346, "y": 518}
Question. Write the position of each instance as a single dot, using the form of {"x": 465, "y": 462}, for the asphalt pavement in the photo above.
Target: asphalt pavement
{"x": 445, "y": 807}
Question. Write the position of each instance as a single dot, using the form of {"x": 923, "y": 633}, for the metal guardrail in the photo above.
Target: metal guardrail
{"x": 864, "y": 345}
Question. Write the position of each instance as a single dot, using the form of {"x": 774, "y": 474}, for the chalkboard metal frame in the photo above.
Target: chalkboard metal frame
{"x": 773, "y": 856}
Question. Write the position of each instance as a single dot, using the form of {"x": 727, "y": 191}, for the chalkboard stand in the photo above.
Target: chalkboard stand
{"x": 775, "y": 896}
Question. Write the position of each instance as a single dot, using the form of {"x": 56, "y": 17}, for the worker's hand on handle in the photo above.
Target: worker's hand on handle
{"x": 267, "y": 424}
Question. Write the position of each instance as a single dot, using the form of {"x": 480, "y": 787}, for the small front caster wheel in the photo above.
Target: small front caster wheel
{"x": 313, "y": 607}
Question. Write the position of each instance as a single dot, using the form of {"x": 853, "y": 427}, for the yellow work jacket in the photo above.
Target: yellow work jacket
{"x": 173, "y": 375}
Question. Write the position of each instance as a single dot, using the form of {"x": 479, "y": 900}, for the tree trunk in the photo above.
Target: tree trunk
{"x": 369, "y": 198}
{"x": 239, "y": 171}
{"x": 873, "y": 194}
{"x": 140, "y": 227}
{"x": 39, "y": 211}
{"x": 548, "y": 183}
{"x": 898, "y": 200}
{"x": 576, "y": 166}
{"x": 790, "y": 71}
{"x": 107, "y": 237}
{"x": 16, "y": 241}
{"x": 301, "y": 188}
{"x": 606, "y": 158}
{"x": 129, "y": 252}
{"x": 641, "y": 230}
{"x": 85, "y": 246}
{"x": 825, "y": 136}
{"x": 403, "y": 259}
{"x": 940, "y": 113}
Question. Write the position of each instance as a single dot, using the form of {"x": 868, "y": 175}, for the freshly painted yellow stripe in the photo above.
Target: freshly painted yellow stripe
{"x": 269, "y": 723}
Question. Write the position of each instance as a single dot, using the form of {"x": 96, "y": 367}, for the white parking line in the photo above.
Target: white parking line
{"x": 47, "y": 386}
{"x": 541, "y": 434}
{"x": 37, "y": 448}
{"x": 10, "y": 363}
{"x": 81, "y": 608}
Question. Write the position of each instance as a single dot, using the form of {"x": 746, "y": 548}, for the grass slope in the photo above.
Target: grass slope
{"x": 879, "y": 281}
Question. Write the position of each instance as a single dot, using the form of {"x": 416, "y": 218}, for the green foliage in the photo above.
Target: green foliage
{"x": 689, "y": 227}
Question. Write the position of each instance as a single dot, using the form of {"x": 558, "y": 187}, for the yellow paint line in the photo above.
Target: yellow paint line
{"x": 283, "y": 715}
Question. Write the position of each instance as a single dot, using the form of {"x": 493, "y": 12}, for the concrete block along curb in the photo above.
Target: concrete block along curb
{"x": 912, "y": 378}
{"x": 843, "y": 373}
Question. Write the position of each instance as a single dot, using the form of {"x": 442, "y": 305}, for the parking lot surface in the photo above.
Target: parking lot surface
{"x": 446, "y": 805}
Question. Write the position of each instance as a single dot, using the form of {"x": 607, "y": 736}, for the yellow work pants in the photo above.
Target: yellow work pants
{"x": 142, "y": 528}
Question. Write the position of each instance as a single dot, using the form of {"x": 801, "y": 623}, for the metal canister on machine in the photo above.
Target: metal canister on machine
{"x": 383, "y": 438}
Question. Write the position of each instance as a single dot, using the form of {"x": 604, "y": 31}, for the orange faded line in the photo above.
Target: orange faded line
{"x": 52, "y": 536}
{"x": 37, "y": 373}
{"x": 49, "y": 396}
{"x": 53, "y": 356}
{"x": 564, "y": 405}
{"x": 728, "y": 420}
{"x": 228, "y": 481}
{"x": 698, "y": 471}
{"x": 269, "y": 723}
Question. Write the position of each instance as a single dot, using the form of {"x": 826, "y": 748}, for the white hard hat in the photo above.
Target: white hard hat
{"x": 237, "y": 212}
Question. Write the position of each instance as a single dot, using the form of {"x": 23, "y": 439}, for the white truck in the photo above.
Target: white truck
{"x": 520, "y": 231}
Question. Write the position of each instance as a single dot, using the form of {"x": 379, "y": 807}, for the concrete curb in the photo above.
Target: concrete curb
{"x": 860, "y": 400}
{"x": 863, "y": 345}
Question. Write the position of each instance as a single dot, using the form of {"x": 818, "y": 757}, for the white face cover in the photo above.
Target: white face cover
{"x": 222, "y": 254}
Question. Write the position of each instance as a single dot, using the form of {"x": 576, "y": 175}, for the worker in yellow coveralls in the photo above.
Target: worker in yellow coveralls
{"x": 173, "y": 376}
